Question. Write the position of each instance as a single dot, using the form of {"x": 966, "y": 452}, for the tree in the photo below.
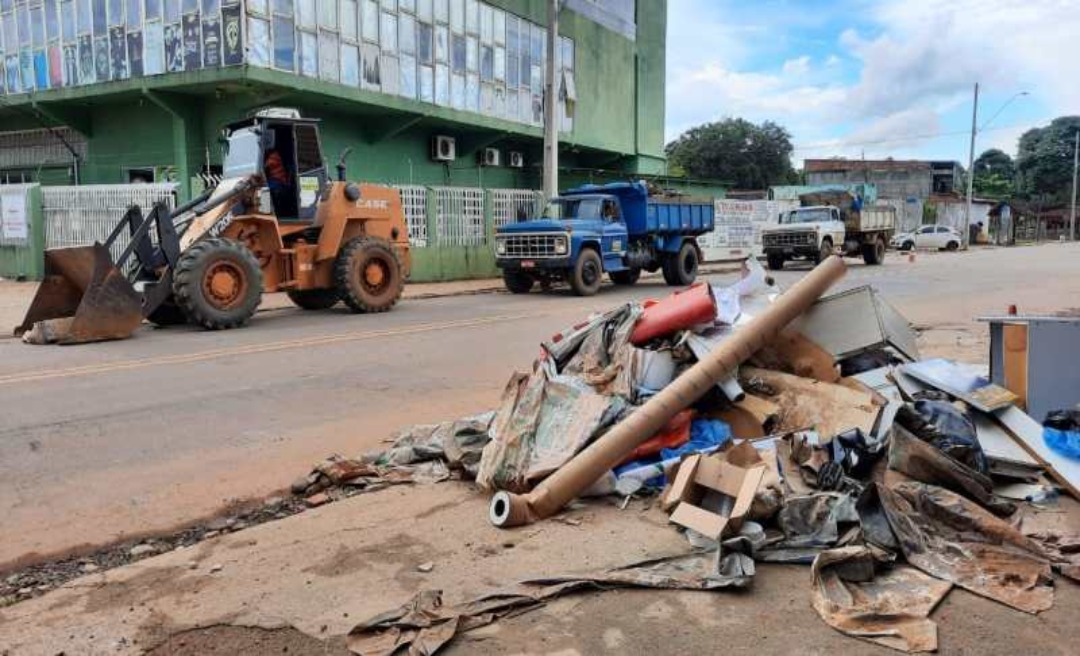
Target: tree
{"x": 1044, "y": 162}
{"x": 736, "y": 151}
{"x": 995, "y": 161}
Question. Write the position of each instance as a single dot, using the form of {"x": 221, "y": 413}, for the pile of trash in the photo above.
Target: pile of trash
{"x": 827, "y": 442}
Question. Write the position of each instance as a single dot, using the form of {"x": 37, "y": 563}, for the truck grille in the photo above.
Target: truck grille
{"x": 532, "y": 246}
{"x": 788, "y": 239}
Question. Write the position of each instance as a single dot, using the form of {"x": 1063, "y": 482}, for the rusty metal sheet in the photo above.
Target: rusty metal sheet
{"x": 952, "y": 538}
{"x": 889, "y": 606}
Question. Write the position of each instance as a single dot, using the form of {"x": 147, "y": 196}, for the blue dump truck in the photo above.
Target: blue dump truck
{"x": 617, "y": 228}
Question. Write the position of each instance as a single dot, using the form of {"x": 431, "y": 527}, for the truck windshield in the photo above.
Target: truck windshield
{"x": 573, "y": 208}
{"x": 808, "y": 216}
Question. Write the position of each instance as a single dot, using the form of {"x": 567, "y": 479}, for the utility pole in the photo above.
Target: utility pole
{"x": 965, "y": 237}
{"x": 551, "y": 117}
{"x": 1076, "y": 165}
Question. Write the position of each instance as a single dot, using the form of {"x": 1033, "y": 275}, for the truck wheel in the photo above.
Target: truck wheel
{"x": 775, "y": 261}
{"x": 586, "y": 277}
{"x": 874, "y": 253}
{"x": 825, "y": 251}
{"x": 218, "y": 284}
{"x": 517, "y": 282}
{"x": 168, "y": 314}
{"x": 681, "y": 270}
{"x": 314, "y": 299}
{"x": 368, "y": 275}
{"x": 625, "y": 277}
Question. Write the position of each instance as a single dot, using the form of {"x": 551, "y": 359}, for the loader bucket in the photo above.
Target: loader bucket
{"x": 83, "y": 298}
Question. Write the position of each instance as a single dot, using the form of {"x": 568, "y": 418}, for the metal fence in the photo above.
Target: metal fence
{"x": 414, "y": 204}
{"x": 76, "y": 216}
{"x": 459, "y": 215}
{"x": 509, "y": 205}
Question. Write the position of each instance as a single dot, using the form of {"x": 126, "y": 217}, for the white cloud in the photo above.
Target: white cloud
{"x": 797, "y": 66}
{"x": 832, "y": 60}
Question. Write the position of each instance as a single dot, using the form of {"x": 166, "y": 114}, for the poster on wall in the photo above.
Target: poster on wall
{"x": 13, "y": 214}
{"x": 118, "y": 53}
{"x": 87, "y": 72}
{"x": 101, "y": 57}
{"x": 211, "y": 38}
{"x": 71, "y": 65}
{"x": 153, "y": 49}
{"x": 174, "y": 48}
{"x": 56, "y": 67}
{"x": 135, "y": 53}
{"x": 192, "y": 45}
{"x": 41, "y": 70}
{"x": 232, "y": 36}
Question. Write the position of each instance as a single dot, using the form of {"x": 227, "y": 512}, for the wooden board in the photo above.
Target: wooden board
{"x": 1014, "y": 339}
{"x": 1029, "y": 433}
{"x": 805, "y": 403}
{"x": 960, "y": 382}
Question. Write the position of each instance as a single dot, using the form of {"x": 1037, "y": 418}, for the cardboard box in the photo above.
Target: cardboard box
{"x": 711, "y": 494}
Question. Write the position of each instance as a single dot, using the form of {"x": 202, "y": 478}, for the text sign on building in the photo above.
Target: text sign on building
{"x": 13, "y": 224}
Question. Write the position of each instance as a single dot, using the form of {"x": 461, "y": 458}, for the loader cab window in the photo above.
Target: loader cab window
{"x": 294, "y": 170}
{"x": 310, "y": 168}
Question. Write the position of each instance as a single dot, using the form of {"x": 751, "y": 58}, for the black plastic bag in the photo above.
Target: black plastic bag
{"x": 1063, "y": 420}
{"x": 947, "y": 428}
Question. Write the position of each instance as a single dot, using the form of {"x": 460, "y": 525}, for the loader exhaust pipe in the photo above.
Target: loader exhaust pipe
{"x": 554, "y": 492}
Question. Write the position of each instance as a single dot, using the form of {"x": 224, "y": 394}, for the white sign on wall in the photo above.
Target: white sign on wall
{"x": 13, "y": 224}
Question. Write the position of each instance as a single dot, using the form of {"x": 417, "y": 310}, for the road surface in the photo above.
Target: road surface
{"x": 104, "y": 441}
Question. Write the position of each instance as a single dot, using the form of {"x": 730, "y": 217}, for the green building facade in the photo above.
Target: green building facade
{"x": 114, "y": 91}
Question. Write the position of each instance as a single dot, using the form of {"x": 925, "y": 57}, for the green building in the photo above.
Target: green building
{"x": 425, "y": 92}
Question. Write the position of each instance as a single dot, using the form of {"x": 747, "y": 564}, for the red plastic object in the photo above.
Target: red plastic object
{"x": 674, "y": 433}
{"x": 679, "y": 311}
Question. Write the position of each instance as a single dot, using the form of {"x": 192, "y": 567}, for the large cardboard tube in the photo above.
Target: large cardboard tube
{"x": 594, "y": 461}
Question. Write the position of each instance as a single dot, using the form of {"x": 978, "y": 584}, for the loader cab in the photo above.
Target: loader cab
{"x": 286, "y": 151}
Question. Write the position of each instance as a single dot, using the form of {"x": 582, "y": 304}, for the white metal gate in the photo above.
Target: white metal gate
{"x": 508, "y": 205}
{"x": 77, "y": 216}
{"x": 459, "y": 215}
{"x": 414, "y": 204}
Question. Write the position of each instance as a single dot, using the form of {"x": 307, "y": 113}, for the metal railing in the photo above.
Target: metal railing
{"x": 414, "y": 204}
{"x": 509, "y": 205}
{"x": 459, "y": 216}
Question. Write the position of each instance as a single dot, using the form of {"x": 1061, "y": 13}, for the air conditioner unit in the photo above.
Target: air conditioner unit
{"x": 488, "y": 157}
{"x": 517, "y": 160}
{"x": 443, "y": 148}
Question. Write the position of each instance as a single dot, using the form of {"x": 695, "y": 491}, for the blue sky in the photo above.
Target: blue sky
{"x": 886, "y": 77}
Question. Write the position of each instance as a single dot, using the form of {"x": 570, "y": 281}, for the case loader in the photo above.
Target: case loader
{"x": 208, "y": 262}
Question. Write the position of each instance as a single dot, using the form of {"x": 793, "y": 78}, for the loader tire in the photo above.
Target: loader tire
{"x": 168, "y": 314}
{"x": 314, "y": 299}
{"x": 369, "y": 275}
{"x": 218, "y": 284}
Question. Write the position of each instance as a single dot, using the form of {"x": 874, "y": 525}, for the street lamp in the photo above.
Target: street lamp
{"x": 971, "y": 153}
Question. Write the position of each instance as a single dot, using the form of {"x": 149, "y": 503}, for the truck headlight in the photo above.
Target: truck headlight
{"x": 560, "y": 246}
{"x": 500, "y": 247}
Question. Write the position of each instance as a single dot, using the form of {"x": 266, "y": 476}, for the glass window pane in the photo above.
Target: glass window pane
{"x": 472, "y": 18}
{"x": 350, "y": 65}
{"x": 487, "y": 23}
{"x": 370, "y": 22}
{"x": 425, "y": 46}
{"x": 500, "y": 26}
{"x": 500, "y": 63}
{"x": 457, "y": 19}
{"x": 472, "y": 92}
{"x": 537, "y": 51}
{"x": 153, "y": 9}
{"x": 442, "y": 43}
{"x": 427, "y": 84}
{"x": 37, "y": 26}
{"x": 442, "y": 85}
{"x": 407, "y": 34}
{"x": 389, "y": 5}
{"x": 348, "y": 20}
{"x": 458, "y": 55}
{"x": 328, "y": 18}
{"x": 283, "y": 7}
{"x": 457, "y": 91}
{"x": 391, "y": 80}
{"x": 472, "y": 53}
{"x": 512, "y": 34}
{"x": 284, "y": 43}
{"x": 67, "y": 20}
{"x": 258, "y": 53}
{"x": 408, "y": 87}
{"x": 86, "y": 16}
{"x": 512, "y": 70}
{"x": 388, "y": 32}
{"x": 329, "y": 51}
{"x": 371, "y": 77}
{"x": 487, "y": 63}
{"x": 309, "y": 54}
{"x": 424, "y": 10}
{"x": 208, "y": 7}
{"x": 407, "y": 6}
{"x": 442, "y": 15}
{"x": 305, "y": 14}
{"x": 253, "y": 6}
{"x": 172, "y": 9}
{"x": 567, "y": 57}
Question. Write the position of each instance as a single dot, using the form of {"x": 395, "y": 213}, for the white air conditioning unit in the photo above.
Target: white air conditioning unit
{"x": 443, "y": 148}
{"x": 517, "y": 160}
{"x": 488, "y": 157}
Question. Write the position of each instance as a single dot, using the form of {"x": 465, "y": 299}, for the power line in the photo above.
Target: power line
{"x": 905, "y": 138}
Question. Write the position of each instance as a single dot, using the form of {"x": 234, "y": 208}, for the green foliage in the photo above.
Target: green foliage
{"x": 737, "y": 151}
{"x": 1045, "y": 160}
{"x": 995, "y": 162}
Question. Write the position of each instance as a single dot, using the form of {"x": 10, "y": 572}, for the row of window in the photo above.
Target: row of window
{"x": 456, "y": 53}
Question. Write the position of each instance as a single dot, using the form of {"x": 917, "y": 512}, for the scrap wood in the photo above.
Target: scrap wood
{"x": 794, "y": 353}
{"x": 890, "y": 608}
{"x": 831, "y": 409}
{"x": 954, "y": 539}
{"x": 424, "y": 625}
{"x": 959, "y": 381}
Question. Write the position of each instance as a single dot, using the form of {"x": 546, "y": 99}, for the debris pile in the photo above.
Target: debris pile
{"x": 775, "y": 427}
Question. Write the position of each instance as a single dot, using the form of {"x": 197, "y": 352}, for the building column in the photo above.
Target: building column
{"x": 185, "y": 123}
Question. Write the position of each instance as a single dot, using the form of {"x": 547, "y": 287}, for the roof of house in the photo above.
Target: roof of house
{"x": 840, "y": 164}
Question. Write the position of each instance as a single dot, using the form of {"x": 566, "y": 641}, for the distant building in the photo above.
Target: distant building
{"x": 894, "y": 178}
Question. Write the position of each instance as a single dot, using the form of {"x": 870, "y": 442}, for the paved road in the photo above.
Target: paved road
{"x": 109, "y": 440}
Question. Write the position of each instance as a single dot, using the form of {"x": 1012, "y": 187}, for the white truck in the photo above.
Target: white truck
{"x": 829, "y": 222}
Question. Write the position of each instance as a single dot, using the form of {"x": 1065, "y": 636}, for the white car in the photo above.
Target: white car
{"x": 930, "y": 236}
